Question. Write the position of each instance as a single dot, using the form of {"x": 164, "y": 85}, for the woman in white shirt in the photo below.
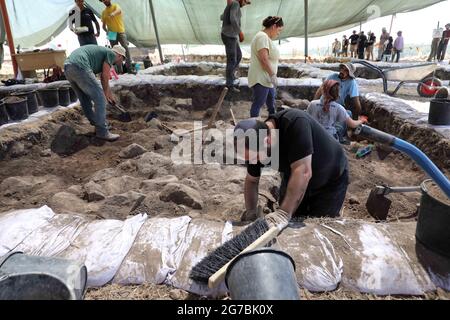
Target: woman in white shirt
{"x": 262, "y": 74}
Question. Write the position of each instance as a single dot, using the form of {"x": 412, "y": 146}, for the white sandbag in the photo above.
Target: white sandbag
{"x": 53, "y": 238}
{"x": 16, "y": 226}
{"x": 102, "y": 246}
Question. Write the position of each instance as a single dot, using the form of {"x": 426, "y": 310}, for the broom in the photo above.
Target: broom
{"x": 211, "y": 270}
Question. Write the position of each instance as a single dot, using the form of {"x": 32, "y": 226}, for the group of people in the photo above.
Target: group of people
{"x": 361, "y": 46}
{"x": 312, "y": 162}
{"x": 439, "y": 44}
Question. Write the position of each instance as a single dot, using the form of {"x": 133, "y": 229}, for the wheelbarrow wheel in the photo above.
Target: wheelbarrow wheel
{"x": 428, "y": 87}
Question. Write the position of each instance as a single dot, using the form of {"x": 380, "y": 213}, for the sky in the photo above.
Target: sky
{"x": 417, "y": 28}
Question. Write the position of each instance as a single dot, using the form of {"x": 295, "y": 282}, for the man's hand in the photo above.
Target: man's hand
{"x": 274, "y": 80}
{"x": 364, "y": 119}
{"x": 241, "y": 37}
{"x": 110, "y": 98}
{"x": 279, "y": 219}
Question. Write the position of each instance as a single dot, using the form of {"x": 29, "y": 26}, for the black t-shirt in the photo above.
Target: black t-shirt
{"x": 86, "y": 19}
{"x": 362, "y": 41}
{"x": 301, "y": 136}
{"x": 354, "y": 39}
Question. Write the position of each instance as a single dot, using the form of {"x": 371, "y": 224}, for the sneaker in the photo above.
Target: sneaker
{"x": 111, "y": 137}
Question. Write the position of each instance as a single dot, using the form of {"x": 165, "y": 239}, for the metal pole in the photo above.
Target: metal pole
{"x": 392, "y": 23}
{"x": 306, "y": 30}
{"x": 155, "y": 26}
{"x": 9, "y": 36}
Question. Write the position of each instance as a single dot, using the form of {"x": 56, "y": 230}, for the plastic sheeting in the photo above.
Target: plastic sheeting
{"x": 356, "y": 255}
{"x": 198, "y": 21}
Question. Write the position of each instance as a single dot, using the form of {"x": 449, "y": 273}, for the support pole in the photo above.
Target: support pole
{"x": 306, "y": 30}
{"x": 9, "y": 35}
{"x": 155, "y": 26}
{"x": 392, "y": 23}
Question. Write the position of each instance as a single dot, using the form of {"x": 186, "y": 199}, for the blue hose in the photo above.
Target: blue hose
{"x": 425, "y": 163}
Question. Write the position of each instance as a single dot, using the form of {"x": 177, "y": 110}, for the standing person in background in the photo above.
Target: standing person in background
{"x": 382, "y": 44}
{"x": 112, "y": 18}
{"x": 361, "y": 45}
{"x": 262, "y": 73}
{"x": 86, "y": 18}
{"x": 336, "y": 48}
{"x": 354, "y": 44}
{"x": 231, "y": 36}
{"x": 345, "y": 44}
{"x": 369, "y": 45}
{"x": 444, "y": 43}
{"x": 399, "y": 45}
{"x": 387, "y": 55}
{"x": 437, "y": 35}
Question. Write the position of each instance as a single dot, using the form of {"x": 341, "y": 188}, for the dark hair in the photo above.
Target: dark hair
{"x": 259, "y": 128}
{"x": 270, "y": 21}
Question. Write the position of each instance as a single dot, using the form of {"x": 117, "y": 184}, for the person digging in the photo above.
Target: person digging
{"x": 81, "y": 68}
{"x": 313, "y": 166}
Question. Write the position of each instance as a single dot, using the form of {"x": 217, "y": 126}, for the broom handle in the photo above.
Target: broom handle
{"x": 219, "y": 276}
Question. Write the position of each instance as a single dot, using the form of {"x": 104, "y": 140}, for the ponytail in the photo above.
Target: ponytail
{"x": 271, "y": 21}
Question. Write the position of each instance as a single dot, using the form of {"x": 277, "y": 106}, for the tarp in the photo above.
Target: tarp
{"x": 198, "y": 21}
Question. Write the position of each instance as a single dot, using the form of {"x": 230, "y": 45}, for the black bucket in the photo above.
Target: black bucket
{"x": 263, "y": 274}
{"x": 64, "y": 96}
{"x": 439, "y": 112}
{"x": 3, "y": 114}
{"x": 24, "y": 277}
{"x": 17, "y": 108}
{"x": 433, "y": 225}
{"x": 49, "y": 97}
{"x": 32, "y": 102}
{"x": 73, "y": 96}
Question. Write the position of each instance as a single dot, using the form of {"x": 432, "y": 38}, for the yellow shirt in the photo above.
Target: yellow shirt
{"x": 256, "y": 73}
{"x": 114, "y": 24}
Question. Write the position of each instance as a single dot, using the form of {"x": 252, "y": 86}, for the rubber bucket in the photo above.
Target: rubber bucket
{"x": 439, "y": 112}
{"x": 263, "y": 274}
{"x": 64, "y": 96}
{"x": 73, "y": 96}
{"x": 49, "y": 97}
{"x": 433, "y": 225}
{"x": 147, "y": 63}
{"x": 32, "y": 102}
{"x": 4, "y": 118}
{"x": 17, "y": 108}
{"x": 24, "y": 277}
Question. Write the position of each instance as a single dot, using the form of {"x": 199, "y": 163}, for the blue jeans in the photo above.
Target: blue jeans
{"x": 87, "y": 38}
{"x": 88, "y": 90}
{"x": 234, "y": 57}
{"x": 263, "y": 95}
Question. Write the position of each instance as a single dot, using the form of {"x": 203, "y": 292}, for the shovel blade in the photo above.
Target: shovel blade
{"x": 378, "y": 206}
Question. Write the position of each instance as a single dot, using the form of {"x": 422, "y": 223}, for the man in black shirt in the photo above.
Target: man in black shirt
{"x": 84, "y": 31}
{"x": 354, "y": 44}
{"x": 312, "y": 164}
{"x": 361, "y": 45}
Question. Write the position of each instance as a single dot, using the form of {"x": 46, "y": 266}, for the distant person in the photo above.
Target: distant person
{"x": 369, "y": 45}
{"x": 399, "y": 45}
{"x": 354, "y": 44}
{"x": 330, "y": 114}
{"x": 387, "y": 55}
{"x": 437, "y": 35}
{"x": 112, "y": 18}
{"x": 231, "y": 36}
{"x": 361, "y": 45}
{"x": 382, "y": 44}
{"x": 345, "y": 45}
{"x": 86, "y": 18}
{"x": 336, "y": 47}
{"x": 444, "y": 43}
{"x": 80, "y": 69}
{"x": 262, "y": 73}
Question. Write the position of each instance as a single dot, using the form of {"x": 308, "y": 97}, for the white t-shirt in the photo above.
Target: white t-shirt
{"x": 256, "y": 73}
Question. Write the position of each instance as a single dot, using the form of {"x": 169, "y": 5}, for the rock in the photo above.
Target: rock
{"x": 127, "y": 166}
{"x": 168, "y": 101}
{"x": 157, "y": 184}
{"x": 191, "y": 183}
{"x": 183, "y": 170}
{"x": 94, "y": 192}
{"x": 104, "y": 174}
{"x": 167, "y": 110}
{"x": 119, "y": 185}
{"x": 30, "y": 185}
{"x": 155, "y": 124}
{"x": 120, "y": 206}
{"x": 132, "y": 151}
{"x": 65, "y": 202}
{"x": 162, "y": 142}
{"x": 182, "y": 195}
{"x": 18, "y": 150}
{"x": 178, "y": 294}
{"x": 46, "y": 153}
{"x": 353, "y": 201}
{"x": 76, "y": 190}
{"x": 151, "y": 164}
{"x": 67, "y": 142}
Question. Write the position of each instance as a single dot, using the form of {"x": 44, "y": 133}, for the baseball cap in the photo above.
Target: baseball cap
{"x": 119, "y": 50}
{"x": 350, "y": 67}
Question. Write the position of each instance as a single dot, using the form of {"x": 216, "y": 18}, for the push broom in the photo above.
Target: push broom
{"x": 212, "y": 269}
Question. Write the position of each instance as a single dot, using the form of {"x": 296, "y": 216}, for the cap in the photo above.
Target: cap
{"x": 350, "y": 67}
{"x": 246, "y": 125}
{"x": 119, "y": 50}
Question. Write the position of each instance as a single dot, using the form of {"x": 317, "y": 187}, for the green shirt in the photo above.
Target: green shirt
{"x": 92, "y": 57}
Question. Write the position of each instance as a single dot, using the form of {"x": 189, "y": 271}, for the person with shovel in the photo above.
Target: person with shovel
{"x": 313, "y": 166}
{"x": 80, "y": 69}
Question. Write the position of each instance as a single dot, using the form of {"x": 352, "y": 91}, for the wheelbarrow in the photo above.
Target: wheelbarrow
{"x": 427, "y": 86}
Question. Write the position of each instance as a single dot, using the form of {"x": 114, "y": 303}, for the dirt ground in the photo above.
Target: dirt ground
{"x": 44, "y": 176}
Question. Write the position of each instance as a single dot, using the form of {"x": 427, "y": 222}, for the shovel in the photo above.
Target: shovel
{"x": 378, "y": 205}
{"x": 123, "y": 116}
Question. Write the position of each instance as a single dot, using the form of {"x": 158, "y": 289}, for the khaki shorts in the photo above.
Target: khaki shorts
{"x": 353, "y": 47}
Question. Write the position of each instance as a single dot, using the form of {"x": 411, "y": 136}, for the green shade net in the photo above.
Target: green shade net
{"x": 198, "y": 21}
